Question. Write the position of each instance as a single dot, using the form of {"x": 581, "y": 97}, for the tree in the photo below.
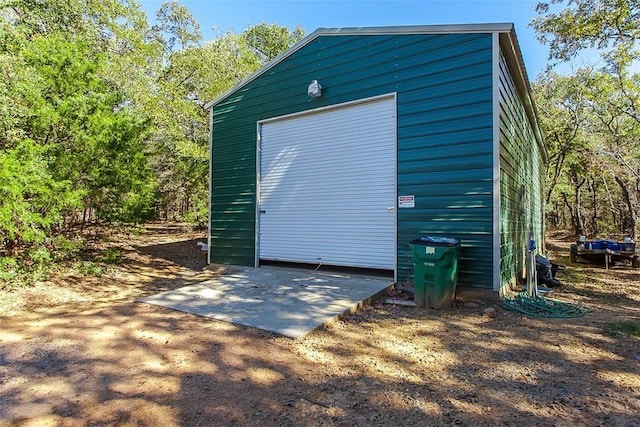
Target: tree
{"x": 593, "y": 143}
{"x": 562, "y": 113}
{"x": 590, "y": 119}
{"x": 32, "y": 201}
{"x": 105, "y": 115}
{"x": 270, "y": 40}
{"x": 176, "y": 28}
{"x": 94, "y": 142}
{"x": 191, "y": 77}
{"x": 616, "y": 131}
{"x": 610, "y": 26}
{"x": 69, "y": 98}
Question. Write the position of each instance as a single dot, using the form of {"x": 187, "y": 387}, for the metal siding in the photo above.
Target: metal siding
{"x": 444, "y": 101}
{"x": 340, "y": 217}
{"x": 521, "y": 185}
{"x": 445, "y": 159}
{"x": 232, "y": 210}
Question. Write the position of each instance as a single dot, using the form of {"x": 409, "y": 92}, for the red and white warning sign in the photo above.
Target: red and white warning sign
{"x": 406, "y": 201}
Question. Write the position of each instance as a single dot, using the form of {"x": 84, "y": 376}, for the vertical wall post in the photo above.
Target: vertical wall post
{"x": 496, "y": 160}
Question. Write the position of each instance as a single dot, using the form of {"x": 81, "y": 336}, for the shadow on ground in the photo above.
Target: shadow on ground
{"x": 122, "y": 363}
{"x": 185, "y": 253}
{"x": 136, "y": 364}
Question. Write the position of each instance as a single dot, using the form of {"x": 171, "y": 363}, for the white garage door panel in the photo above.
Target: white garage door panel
{"x": 327, "y": 181}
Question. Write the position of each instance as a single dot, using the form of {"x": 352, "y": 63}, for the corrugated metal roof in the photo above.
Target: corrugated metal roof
{"x": 390, "y": 30}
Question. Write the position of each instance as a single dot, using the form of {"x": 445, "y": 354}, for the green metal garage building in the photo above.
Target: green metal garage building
{"x": 356, "y": 140}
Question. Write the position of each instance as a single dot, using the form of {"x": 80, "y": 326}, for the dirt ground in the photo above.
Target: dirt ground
{"x": 79, "y": 351}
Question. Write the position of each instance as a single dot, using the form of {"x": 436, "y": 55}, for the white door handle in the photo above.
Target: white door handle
{"x": 391, "y": 209}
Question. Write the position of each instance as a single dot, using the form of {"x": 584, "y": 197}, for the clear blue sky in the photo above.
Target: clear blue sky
{"x": 218, "y": 16}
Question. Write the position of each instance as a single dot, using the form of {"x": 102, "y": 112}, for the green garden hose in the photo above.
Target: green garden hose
{"x": 542, "y": 307}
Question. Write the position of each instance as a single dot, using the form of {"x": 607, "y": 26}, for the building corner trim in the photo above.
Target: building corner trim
{"x": 496, "y": 160}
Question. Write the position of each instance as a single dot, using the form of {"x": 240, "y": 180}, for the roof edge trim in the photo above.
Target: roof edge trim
{"x": 420, "y": 29}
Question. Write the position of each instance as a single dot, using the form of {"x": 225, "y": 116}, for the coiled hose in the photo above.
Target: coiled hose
{"x": 539, "y": 306}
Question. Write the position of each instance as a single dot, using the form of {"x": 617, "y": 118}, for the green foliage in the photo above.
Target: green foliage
{"x": 16, "y": 273}
{"x": 18, "y": 92}
{"x": 100, "y": 145}
{"x": 176, "y": 29}
{"x": 562, "y": 107}
{"x": 199, "y": 214}
{"x": 194, "y": 76}
{"x": 591, "y": 118}
{"x": 138, "y": 231}
{"x": 8, "y": 270}
{"x": 35, "y": 262}
{"x": 40, "y": 255}
{"x": 31, "y": 200}
{"x": 111, "y": 256}
{"x": 64, "y": 249}
{"x": 592, "y": 135}
{"x": 89, "y": 268}
{"x": 103, "y": 118}
{"x": 611, "y": 27}
{"x": 270, "y": 40}
{"x": 70, "y": 139}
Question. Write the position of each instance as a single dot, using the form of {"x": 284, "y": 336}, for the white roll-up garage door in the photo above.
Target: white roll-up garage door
{"x": 328, "y": 186}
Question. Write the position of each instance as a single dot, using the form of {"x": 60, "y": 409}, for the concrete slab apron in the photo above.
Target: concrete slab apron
{"x": 289, "y": 302}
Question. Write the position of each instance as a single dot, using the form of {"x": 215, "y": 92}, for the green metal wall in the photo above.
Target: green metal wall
{"x": 445, "y": 160}
{"x": 521, "y": 183}
{"x": 444, "y": 94}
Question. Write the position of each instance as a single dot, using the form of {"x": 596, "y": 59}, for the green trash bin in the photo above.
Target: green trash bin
{"x": 435, "y": 270}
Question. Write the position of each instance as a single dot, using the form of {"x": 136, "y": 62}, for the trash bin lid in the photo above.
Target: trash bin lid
{"x": 435, "y": 241}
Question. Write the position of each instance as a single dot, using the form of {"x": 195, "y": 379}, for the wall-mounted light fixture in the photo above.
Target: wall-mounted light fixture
{"x": 314, "y": 90}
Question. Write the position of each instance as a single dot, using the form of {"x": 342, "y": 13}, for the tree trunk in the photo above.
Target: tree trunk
{"x": 573, "y": 215}
{"x": 84, "y": 219}
{"x": 593, "y": 187}
{"x": 580, "y": 229}
{"x": 631, "y": 229}
{"x": 575, "y": 208}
